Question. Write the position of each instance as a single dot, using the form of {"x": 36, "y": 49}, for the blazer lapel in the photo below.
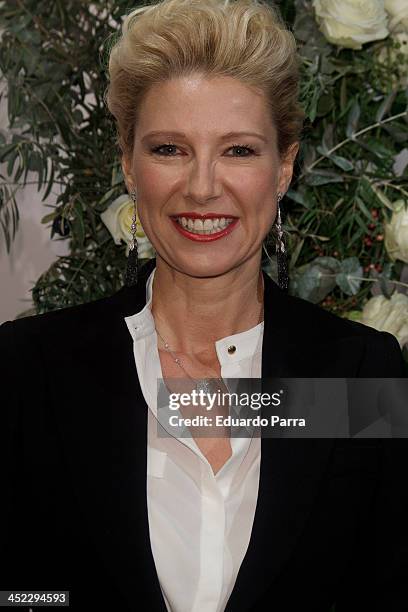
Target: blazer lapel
{"x": 104, "y": 431}
{"x": 290, "y": 472}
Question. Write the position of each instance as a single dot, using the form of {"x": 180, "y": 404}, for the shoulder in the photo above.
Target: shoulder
{"x": 309, "y": 325}
{"x": 64, "y": 319}
{"x": 52, "y": 349}
{"x": 83, "y": 318}
{"x": 311, "y": 319}
{"x": 307, "y": 321}
{"x": 27, "y": 340}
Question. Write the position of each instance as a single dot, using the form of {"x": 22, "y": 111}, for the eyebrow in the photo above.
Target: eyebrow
{"x": 223, "y": 137}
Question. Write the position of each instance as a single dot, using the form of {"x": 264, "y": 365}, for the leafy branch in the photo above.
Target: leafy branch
{"x": 353, "y": 138}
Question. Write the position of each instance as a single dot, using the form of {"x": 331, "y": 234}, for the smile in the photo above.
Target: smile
{"x": 204, "y": 227}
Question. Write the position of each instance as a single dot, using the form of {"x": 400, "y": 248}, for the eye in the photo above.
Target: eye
{"x": 163, "y": 146}
{"x": 243, "y": 147}
{"x": 158, "y": 150}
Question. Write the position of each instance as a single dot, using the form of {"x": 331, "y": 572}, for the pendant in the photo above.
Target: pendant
{"x": 204, "y": 385}
{"x": 212, "y": 385}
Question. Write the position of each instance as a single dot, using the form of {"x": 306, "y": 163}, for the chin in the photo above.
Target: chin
{"x": 203, "y": 267}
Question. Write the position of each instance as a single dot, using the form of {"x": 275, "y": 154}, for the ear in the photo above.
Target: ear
{"x": 126, "y": 169}
{"x": 286, "y": 167}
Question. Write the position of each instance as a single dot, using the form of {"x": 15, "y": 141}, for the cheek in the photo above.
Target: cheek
{"x": 152, "y": 192}
{"x": 263, "y": 202}
{"x": 150, "y": 182}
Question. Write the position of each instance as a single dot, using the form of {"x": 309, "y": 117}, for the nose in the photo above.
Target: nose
{"x": 203, "y": 182}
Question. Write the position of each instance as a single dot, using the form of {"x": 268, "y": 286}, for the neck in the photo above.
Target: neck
{"x": 192, "y": 312}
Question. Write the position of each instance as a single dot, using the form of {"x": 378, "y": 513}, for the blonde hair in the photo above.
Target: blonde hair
{"x": 243, "y": 39}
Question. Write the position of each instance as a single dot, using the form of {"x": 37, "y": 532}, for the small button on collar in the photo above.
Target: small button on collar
{"x": 232, "y": 349}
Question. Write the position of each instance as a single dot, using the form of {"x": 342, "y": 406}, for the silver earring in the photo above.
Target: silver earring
{"x": 132, "y": 267}
{"x": 281, "y": 255}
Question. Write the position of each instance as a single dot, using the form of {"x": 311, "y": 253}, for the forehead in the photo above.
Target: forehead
{"x": 201, "y": 105}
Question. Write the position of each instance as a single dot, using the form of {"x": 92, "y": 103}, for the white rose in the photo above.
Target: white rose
{"x": 390, "y": 315}
{"x": 396, "y": 59}
{"x": 351, "y": 23}
{"x": 398, "y": 13}
{"x": 118, "y": 219}
{"x": 396, "y": 233}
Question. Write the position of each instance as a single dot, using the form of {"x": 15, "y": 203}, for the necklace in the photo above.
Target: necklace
{"x": 201, "y": 385}
{"x": 206, "y": 384}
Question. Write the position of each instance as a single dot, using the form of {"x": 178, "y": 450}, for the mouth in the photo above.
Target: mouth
{"x": 210, "y": 224}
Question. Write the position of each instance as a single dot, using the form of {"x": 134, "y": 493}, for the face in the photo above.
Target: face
{"x": 206, "y": 169}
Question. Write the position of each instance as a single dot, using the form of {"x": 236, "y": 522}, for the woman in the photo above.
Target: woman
{"x": 97, "y": 502}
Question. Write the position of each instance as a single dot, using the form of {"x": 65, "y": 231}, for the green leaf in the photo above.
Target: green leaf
{"x": 387, "y": 287}
{"x": 332, "y": 264}
{"x": 16, "y": 25}
{"x": 328, "y": 138}
{"x": 324, "y": 105}
{"x": 352, "y": 120}
{"x": 6, "y": 151}
{"x": 385, "y": 106}
{"x": 78, "y": 223}
{"x": 50, "y": 183}
{"x": 101, "y": 205}
{"x": 343, "y": 94}
{"x": 316, "y": 180}
{"x": 379, "y": 193}
{"x": 397, "y": 132}
{"x": 11, "y": 159}
{"x": 357, "y": 236}
{"x": 50, "y": 217}
{"x": 315, "y": 280}
{"x": 342, "y": 162}
{"x": 296, "y": 196}
{"x": 364, "y": 209}
{"x": 296, "y": 252}
{"x": 350, "y": 268}
{"x": 361, "y": 223}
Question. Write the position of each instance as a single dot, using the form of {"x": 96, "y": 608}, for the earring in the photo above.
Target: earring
{"x": 283, "y": 276}
{"x": 133, "y": 262}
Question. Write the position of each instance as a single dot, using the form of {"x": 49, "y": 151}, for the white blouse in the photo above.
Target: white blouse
{"x": 199, "y": 523}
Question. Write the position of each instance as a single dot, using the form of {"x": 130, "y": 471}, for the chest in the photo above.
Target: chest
{"x": 216, "y": 448}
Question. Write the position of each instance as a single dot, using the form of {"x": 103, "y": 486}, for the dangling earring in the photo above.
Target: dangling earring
{"x": 283, "y": 276}
{"x": 133, "y": 262}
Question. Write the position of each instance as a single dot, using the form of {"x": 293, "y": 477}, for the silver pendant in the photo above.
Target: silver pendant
{"x": 204, "y": 385}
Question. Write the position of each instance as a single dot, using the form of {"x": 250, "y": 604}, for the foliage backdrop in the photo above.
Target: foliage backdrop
{"x": 349, "y": 173}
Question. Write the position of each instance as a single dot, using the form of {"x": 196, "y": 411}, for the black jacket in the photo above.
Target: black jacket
{"x": 332, "y": 515}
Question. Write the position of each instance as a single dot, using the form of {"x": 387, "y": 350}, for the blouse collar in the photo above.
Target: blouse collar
{"x": 229, "y": 349}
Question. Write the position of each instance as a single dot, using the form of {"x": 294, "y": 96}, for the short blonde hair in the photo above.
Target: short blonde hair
{"x": 243, "y": 39}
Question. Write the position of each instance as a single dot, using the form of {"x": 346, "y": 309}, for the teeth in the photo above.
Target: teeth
{"x": 208, "y": 226}
{"x": 198, "y": 224}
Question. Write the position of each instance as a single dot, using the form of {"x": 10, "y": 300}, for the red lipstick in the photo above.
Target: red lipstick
{"x": 193, "y": 215}
{"x": 204, "y": 237}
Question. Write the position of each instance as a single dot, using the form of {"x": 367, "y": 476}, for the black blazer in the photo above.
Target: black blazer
{"x": 331, "y": 518}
